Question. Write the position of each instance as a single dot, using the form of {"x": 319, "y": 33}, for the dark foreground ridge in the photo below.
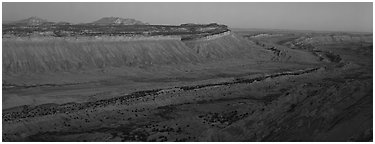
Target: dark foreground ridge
{"x": 49, "y": 109}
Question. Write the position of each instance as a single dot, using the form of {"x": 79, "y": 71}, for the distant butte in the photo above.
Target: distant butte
{"x": 118, "y": 21}
{"x": 32, "y": 21}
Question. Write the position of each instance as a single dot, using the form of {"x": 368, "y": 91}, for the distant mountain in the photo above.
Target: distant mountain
{"x": 32, "y": 21}
{"x": 118, "y": 21}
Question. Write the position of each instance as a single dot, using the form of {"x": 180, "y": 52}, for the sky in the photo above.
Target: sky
{"x": 272, "y": 15}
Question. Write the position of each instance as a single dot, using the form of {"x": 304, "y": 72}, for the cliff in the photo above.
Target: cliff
{"x": 68, "y": 54}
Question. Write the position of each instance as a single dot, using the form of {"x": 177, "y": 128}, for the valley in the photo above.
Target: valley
{"x": 208, "y": 84}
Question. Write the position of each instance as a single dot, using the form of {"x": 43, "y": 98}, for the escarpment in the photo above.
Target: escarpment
{"x": 90, "y": 48}
{"x": 62, "y": 55}
{"x": 43, "y": 54}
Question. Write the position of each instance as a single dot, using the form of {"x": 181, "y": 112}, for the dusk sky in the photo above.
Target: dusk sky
{"x": 299, "y": 16}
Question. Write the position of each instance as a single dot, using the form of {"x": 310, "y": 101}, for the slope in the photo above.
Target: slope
{"x": 62, "y": 55}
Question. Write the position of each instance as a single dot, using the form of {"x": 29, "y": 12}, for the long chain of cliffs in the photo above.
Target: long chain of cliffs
{"x": 184, "y": 31}
{"x": 117, "y": 38}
